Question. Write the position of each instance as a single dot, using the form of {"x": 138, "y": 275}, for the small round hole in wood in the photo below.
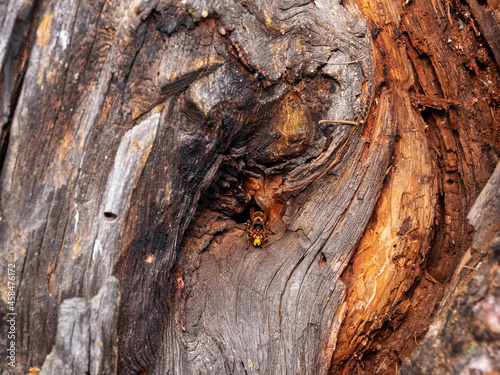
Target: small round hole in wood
{"x": 110, "y": 216}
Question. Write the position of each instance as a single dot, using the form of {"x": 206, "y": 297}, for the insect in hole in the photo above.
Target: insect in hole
{"x": 256, "y": 228}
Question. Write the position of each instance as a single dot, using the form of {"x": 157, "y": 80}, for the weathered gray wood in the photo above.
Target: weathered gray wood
{"x": 104, "y": 309}
{"x": 131, "y": 156}
{"x": 16, "y": 30}
{"x": 70, "y": 353}
{"x": 86, "y": 337}
{"x": 220, "y": 77}
{"x": 223, "y": 83}
{"x": 485, "y": 213}
{"x": 248, "y": 308}
{"x": 129, "y": 121}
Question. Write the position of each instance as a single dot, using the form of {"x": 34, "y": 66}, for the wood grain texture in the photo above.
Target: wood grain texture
{"x": 466, "y": 329}
{"x": 285, "y": 153}
{"x": 419, "y": 231}
{"x": 222, "y": 79}
{"x": 86, "y": 334}
{"x": 136, "y": 136}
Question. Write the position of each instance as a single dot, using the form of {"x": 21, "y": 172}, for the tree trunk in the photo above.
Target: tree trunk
{"x": 138, "y": 137}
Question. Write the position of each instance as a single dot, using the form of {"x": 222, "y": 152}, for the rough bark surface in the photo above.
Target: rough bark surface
{"x": 136, "y": 136}
{"x": 433, "y": 61}
{"x": 465, "y": 335}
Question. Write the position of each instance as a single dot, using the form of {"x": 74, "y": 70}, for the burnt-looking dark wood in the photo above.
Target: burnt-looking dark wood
{"x": 122, "y": 123}
{"x": 262, "y": 110}
{"x": 126, "y": 113}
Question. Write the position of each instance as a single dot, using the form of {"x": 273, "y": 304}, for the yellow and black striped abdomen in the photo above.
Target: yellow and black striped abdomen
{"x": 258, "y": 216}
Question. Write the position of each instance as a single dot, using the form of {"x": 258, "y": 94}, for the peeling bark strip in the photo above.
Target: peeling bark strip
{"x": 365, "y": 149}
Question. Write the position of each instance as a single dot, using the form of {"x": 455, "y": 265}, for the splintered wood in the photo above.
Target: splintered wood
{"x": 137, "y": 139}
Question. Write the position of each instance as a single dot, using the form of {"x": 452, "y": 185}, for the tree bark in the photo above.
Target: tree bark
{"x": 465, "y": 334}
{"x": 136, "y": 137}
